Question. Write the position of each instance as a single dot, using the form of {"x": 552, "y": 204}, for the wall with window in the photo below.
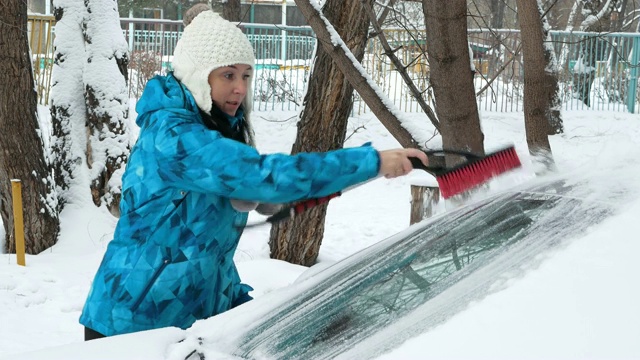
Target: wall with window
{"x": 37, "y": 6}
{"x": 252, "y": 12}
{"x": 272, "y": 14}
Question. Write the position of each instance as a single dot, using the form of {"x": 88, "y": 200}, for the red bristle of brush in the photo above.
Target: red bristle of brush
{"x": 477, "y": 172}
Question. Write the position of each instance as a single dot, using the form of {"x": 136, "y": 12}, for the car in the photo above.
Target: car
{"x": 411, "y": 282}
{"x": 408, "y": 284}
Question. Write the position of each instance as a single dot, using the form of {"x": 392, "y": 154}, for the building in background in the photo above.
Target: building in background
{"x": 41, "y": 7}
{"x": 253, "y": 11}
{"x": 270, "y": 12}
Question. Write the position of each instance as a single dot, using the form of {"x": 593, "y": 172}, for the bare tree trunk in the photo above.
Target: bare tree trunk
{"x": 106, "y": 96}
{"x": 68, "y": 110}
{"x": 22, "y": 154}
{"x": 231, "y": 10}
{"x": 451, "y": 75}
{"x": 322, "y": 127}
{"x": 497, "y": 21}
{"x": 536, "y": 99}
{"x": 355, "y": 74}
{"x": 551, "y": 76}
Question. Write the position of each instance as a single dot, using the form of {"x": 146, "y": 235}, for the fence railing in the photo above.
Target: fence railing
{"x": 596, "y": 71}
{"x": 151, "y": 45}
{"x": 599, "y": 70}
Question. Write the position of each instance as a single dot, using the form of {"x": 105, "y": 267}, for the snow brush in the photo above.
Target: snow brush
{"x": 474, "y": 170}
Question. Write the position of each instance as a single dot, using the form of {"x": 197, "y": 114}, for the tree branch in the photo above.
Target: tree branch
{"x": 355, "y": 73}
{"x": 400, "y": 67}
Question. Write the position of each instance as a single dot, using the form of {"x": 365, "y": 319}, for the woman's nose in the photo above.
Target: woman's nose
{"x": 240, "y": 87}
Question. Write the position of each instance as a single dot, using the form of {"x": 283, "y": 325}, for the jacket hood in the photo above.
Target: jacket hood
{"x": 164, "y": 93}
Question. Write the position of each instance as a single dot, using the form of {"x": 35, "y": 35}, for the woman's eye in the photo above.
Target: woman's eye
{"x": 246, "y": 77}
{"x": 228, "y": 76}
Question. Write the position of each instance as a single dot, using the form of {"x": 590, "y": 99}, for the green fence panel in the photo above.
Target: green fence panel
{"x": 633, "y": 76}
{"x": 596, "y": 71}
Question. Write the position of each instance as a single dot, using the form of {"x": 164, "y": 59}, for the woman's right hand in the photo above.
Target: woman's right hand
{"x": 394, "y": 163}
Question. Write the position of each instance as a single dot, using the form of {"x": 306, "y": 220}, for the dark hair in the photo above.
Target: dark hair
{"x": 217, "y": 121}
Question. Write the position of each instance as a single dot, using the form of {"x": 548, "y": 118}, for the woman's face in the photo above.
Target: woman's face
{"x": 229, "y": 86}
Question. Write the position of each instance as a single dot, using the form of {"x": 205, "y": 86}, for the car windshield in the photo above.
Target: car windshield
{"x": 386, "y": 284}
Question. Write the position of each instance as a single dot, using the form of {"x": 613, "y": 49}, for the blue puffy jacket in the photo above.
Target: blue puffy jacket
{"x": 170, "y": 262}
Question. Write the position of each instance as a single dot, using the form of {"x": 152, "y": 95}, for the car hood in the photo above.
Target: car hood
{"x": 414, "y": 280}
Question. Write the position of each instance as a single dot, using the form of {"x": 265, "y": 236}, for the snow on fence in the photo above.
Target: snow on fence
{"x": 597, "y": 71}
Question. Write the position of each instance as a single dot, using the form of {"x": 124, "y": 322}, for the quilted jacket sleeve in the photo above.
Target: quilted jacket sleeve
{"x": 194, "y": 158}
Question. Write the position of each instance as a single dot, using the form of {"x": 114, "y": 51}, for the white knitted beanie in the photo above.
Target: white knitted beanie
{"x": 207, "y": 43}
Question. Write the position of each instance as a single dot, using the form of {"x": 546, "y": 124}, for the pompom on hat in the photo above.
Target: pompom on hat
{"x": 209, "y": 42}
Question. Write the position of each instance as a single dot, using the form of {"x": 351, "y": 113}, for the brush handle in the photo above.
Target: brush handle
{"x": 417, "y": 164}
{"x": 301, "y": 206}
{"x": 443, "y": 152}
{"x": 432, "y": 155}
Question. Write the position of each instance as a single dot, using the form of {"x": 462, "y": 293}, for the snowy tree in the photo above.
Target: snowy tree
{"x": 68, "y": 109}
{"x": 379, "y": 104}
{"x": 322, "y": 127}
{"x": 451, "y": 75}
{"x": 89, "y": 102}
{"x": 552, "y": 75}
{"x": 107, "y": 100}
{"x": 538, "y": 77}
{"x": 451, "y": 70}
{"x": 22, "y": 154}
{"x": 454, "y": 82}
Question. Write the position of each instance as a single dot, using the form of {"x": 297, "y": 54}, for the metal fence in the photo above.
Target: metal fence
{"x": 599, "y": 70}
{"x": 151, "y": 45}
{"x": 283, "y": 61}
{"x": 596, "y": 71}
{"x": 283, "y": 56}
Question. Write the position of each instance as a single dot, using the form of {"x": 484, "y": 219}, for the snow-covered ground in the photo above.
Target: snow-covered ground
{"x": 579, "y": 303}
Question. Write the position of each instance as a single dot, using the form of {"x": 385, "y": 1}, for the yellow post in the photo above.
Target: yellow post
{"x": 16, "y": 189}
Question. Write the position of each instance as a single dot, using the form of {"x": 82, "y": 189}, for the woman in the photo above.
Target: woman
{"x": 191, "y": 178}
